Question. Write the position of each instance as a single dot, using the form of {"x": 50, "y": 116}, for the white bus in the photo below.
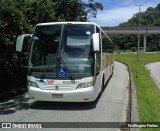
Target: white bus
{"x": 68, "y": 61}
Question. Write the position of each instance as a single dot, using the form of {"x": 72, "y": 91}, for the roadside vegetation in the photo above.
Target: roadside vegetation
{"x": 148, "y": 95}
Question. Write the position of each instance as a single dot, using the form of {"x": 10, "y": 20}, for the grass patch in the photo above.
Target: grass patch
{"x": 148, "y": 96}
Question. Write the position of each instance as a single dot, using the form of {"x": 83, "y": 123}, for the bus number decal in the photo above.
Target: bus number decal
{"x": 70, "y": 82}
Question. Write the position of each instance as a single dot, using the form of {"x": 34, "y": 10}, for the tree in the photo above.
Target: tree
{"x": 12, "y": 23}
{"x": 158, "y": 7}
{"x": 76, "y": 10}
{"x": 37, "y": 11}
{"x": 68, "y": 10}
{"x": 92, "y": 7}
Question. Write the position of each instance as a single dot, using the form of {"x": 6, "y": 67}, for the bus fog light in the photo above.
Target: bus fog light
{"x": 31, "y": 83}
{"x": 86, "y": 84}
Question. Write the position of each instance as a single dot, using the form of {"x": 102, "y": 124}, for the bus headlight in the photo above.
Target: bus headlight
{"x": 86, "y": 84}
{"x": 34, "y": 84}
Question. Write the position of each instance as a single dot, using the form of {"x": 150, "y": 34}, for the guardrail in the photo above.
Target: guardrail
{"x": 131, "y": 30}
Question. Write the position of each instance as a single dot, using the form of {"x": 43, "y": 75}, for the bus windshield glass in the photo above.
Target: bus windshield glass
{"x": 71, "y": 43}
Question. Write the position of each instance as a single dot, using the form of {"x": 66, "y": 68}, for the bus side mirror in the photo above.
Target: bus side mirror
{"x": 96, "y": 42}
{"x": 19, "y": 42}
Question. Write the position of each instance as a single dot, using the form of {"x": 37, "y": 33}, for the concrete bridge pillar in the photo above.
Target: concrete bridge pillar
{"x": 144, "y": 42}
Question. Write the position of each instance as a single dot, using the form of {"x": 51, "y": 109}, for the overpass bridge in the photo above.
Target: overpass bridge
{"x": 133, "y": 30}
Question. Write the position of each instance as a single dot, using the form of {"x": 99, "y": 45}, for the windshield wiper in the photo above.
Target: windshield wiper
{"x": 60, "y": 59}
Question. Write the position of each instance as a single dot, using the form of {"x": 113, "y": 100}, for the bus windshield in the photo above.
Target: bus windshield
{"x": 71, "y": 43}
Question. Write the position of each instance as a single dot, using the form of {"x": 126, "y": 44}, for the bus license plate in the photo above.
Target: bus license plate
{"x": 57, "y": 95}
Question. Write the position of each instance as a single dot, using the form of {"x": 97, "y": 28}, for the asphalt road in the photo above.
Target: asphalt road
{"x": 155, "y": 72}
{"x": 111, "y": 106}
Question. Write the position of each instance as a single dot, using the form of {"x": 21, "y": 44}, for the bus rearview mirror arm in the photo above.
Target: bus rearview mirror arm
{"x": 19, "y": 42}
{"x": 96, "y": 42}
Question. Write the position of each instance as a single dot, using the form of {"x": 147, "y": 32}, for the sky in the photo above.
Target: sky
{"x": 119, "y": 11}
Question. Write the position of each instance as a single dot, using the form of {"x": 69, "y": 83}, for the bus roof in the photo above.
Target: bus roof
{"x": 59, "y": 23}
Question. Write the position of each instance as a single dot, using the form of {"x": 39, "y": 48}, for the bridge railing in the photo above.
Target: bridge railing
{"x": 130, "y": 28}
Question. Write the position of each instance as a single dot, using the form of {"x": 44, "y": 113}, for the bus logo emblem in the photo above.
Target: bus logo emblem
{"x": 50, "y": 81}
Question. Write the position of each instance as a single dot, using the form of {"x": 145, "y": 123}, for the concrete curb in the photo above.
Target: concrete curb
{"x": 134, "y": 109}
{"x": 132, "y": 115}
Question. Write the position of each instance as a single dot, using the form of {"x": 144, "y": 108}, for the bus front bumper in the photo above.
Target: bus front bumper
{"x": 78, "y": 95}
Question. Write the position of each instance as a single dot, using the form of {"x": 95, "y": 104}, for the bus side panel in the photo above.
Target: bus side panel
{"x": 106, "y": 66}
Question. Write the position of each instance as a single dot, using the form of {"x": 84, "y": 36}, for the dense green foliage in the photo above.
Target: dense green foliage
{"x": 19, "y": 17}
{"x": 149, "y": 18}
{"x": 148, "y": 95}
